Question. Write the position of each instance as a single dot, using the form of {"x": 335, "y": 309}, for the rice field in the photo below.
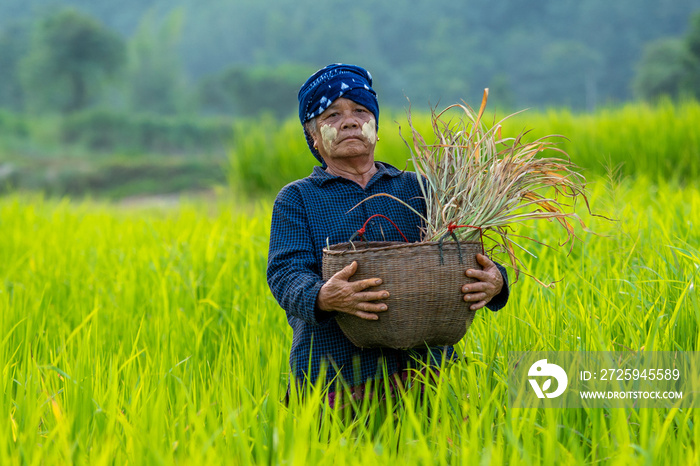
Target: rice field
{"x": 149, "y": 336}
{"x": 660, "y": 141}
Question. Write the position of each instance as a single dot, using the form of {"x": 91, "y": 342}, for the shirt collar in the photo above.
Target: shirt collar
{"x": 319, "y": 176}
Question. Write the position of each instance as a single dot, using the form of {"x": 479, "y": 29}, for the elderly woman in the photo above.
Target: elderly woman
{"x": 339, "y": 112}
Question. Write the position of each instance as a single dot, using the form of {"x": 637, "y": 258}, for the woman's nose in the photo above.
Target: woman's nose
{"x": 350, "y": 121}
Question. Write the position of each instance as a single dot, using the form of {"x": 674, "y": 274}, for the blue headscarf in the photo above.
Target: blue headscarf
{"x": 330, "y": 83}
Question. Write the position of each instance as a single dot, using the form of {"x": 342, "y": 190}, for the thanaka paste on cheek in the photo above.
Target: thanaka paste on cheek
{"x": 328, "y": 135}
{"x": 369, "y": 131}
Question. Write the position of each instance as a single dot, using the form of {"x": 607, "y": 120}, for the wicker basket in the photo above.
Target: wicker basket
{"x": 426, "y": 305}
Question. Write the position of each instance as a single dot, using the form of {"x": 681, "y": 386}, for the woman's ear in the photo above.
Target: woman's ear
{"x": 310, "y": 127}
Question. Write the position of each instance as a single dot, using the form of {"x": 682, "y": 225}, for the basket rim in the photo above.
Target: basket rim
{"x": 387, "y": 246}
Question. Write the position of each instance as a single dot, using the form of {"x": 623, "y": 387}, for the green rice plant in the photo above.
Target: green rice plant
{"x": 661, "y": 141}
{"x": 148, "y": 336}
{"x": 266, "y": 155}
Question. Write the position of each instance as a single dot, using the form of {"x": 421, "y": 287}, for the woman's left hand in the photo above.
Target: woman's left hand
{"x": 489, "y": 283}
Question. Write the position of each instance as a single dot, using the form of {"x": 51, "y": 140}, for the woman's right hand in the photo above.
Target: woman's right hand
{"x": 339, "y": 294}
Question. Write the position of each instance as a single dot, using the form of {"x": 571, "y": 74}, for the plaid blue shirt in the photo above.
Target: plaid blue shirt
{"x": 312, "y": 211}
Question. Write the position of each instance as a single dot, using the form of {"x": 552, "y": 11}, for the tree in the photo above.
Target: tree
{"x": 250, "y": 91}
{"x": 662, "y": 70}
{"x": 671, "y": 67}
{"x": 14, "y": 40}
{"x": 576, "y": 68}
{"x": 71, "y": 58}
{"x": 156, "y": 81}
{"x": 692, "y": 60}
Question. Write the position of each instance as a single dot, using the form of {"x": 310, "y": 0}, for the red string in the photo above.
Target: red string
{"x": 453, "y": 226}
{"x": 362, "y": 230}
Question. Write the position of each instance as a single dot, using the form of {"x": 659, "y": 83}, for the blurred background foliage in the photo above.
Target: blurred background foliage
{"x": 82, "y": 80}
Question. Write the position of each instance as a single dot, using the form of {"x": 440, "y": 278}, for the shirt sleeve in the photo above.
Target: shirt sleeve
{"x": 499, "y": 301}
{"x": 293, "y": 275}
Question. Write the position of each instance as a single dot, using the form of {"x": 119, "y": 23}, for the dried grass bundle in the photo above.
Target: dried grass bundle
{"x": 473, "y": 176}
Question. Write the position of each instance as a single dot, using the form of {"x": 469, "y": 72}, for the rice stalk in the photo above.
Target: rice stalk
{"x": 472, "y": 176}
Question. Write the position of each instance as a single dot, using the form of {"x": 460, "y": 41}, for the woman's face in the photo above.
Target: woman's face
{"x": 345, "y": 130}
